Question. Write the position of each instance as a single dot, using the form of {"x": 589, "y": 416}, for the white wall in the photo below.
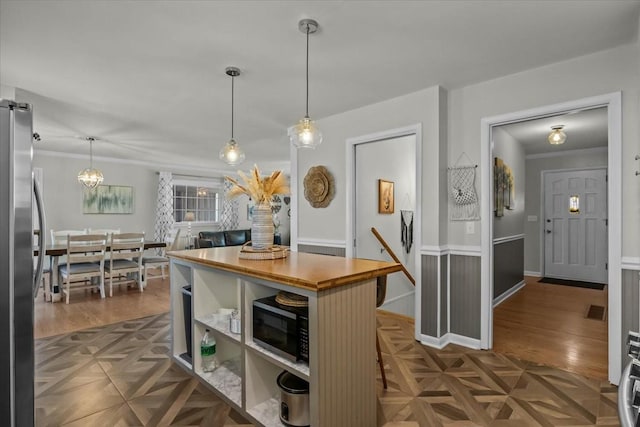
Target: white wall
{"x": 535, "y": 166}
{"x": 511, "y": 152}
{"x": 604, "y": 72}
{"x": 420, "y": 107}
{"x": 63, "y": 194}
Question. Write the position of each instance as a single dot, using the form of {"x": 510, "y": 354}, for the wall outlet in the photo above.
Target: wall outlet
{"x": 471, "y": 227}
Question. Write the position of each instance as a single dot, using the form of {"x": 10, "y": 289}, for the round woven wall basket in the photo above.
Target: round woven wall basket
{"x": 319, "y": 187}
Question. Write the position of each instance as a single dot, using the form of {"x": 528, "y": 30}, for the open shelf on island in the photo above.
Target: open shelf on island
{"x": 301, "y": 369}
{"x": 212, "y": 321}
{"x": 267, "y": 413}
{"x": 226, "y": 379}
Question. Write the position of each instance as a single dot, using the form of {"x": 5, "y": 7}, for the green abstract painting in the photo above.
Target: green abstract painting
{"x": 108, "y": 199}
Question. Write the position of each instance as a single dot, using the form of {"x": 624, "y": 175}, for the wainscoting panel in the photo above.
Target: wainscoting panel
{"x": 630, "y": 298}
{"x": 429, "y": 315}
{"x": 444, "y": 291}
{"x": 322, "y": 250}
{"x": 465, "y": 295}
{"x": 508, "y": 265}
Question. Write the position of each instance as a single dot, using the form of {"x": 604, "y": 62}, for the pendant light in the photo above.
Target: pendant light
{"x": 305, "y": 133}
{"x": 557, "y": 136}
{"x": 231, "y": 153}
{"x": 90, "y": 177}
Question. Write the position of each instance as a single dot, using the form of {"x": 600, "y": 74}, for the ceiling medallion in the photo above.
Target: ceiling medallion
{"x": 319, "y": 187}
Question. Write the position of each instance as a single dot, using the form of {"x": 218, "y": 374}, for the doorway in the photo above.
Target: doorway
{"x": 394, "y": 157}
{"x": 613, "y": 104}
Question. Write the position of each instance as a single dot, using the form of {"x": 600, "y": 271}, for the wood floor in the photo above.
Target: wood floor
{"x": 547, "y": 324}
{"x": 121, "y": 375}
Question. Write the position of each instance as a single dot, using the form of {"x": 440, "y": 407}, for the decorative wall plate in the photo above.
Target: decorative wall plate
{"x": 319, "y": 187}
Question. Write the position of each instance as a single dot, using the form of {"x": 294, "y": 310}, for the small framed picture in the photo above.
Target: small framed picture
{"x": 385, "y": 197}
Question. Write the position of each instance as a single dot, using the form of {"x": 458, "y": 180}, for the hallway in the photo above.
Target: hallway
{"x": 545, "y": 323}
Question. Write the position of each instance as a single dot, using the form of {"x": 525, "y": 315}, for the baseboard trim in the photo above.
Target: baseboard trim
{"x": 396, "y": 298}
{"x": 323, "y": 242}
{"x": 532, "y": 273}
{"x": 450, "y": 338}
{"x": 630, "y": 263}
{"x": 508, "y": 293}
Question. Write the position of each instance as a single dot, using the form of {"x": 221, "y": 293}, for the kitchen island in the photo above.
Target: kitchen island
{"x": 342, "y": 330}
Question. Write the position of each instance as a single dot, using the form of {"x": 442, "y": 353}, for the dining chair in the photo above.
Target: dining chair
{"x": 125, "y": 259}
{"x": 46, "y": 271}
{"x": 59, "y": 237}
{"x": 84, "y": 263}
{"x": 162, "y": 260}
{"x": 107, "y": 231}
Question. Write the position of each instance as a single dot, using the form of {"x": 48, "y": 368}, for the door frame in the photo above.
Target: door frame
{"x": 350, "y": 147}
{"x": 543, "y": 175}
{"x": 613, "y": 102}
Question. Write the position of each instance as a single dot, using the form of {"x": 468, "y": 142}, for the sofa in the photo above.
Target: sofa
{"x": 215, "y": 239}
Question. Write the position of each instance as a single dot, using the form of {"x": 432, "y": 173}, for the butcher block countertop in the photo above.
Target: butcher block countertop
{"x": 298, "y": 269}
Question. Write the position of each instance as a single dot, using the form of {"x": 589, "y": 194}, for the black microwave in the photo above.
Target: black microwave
{"x": 281, "y": 329}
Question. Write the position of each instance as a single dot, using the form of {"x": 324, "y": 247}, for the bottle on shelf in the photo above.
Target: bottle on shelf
{"x": 208, "y": 352}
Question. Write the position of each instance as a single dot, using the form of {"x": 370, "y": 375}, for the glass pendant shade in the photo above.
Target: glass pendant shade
{"x": 231, "y": 153}
{"x": 90, "y": 177}
{"x": 305, "y": 134}
{"x": 557, "y": 136}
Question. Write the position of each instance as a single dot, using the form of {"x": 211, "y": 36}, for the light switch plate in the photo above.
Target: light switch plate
{"x": 471, "y": 228}
{"x": 532, "y": 218}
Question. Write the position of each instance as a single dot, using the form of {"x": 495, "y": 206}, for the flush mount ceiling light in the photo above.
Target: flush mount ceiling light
{"x": 90, "y": 177}
{"x": 305, "y": 133}
{"x": 557, "y": 136}
{"x": 231, "y": 153}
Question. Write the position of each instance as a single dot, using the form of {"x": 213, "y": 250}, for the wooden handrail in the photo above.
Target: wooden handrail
{"x": 393, "y": 255}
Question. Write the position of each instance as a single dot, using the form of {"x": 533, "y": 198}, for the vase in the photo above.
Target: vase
{"x": 262, "y": 227}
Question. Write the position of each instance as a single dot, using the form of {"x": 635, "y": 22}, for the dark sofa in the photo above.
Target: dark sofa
{"x": 215, "y": 239}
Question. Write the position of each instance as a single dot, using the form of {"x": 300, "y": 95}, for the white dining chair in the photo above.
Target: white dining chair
{"x": 84, "y": 264}
{"x": 125, "y": 260}
{"x": 162, "y": 260}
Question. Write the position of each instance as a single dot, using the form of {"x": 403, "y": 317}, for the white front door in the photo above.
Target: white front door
{"x": 392, "y": 160}
{"x": 575, "y": 227}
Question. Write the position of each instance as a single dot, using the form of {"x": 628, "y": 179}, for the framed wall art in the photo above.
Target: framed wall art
{"x": 385, "y": 197}
{"x": 108, "y": 199}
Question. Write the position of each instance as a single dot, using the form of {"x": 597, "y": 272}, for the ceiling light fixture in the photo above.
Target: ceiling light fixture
{"x": 557, "y": 135}
{"x": 231, "y": 153}
{"x": 305, "y": 133}
{"x": 90, "y": 177}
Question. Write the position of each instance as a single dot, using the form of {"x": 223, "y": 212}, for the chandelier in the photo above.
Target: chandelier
{"x": 90, "y": 177}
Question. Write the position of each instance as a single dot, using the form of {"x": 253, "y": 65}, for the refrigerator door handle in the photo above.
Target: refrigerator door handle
{"x": 37, "y": 277}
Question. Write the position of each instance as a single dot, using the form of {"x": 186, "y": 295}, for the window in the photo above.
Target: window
{"x": 203, "y": 199}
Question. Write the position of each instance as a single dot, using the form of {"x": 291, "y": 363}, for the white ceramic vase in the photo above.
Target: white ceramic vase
{"x": 262, "y": 227}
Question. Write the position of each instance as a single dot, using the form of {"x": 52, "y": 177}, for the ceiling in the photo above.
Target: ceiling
{"x": 584, "y": 129}
{"x": 147, "y": 78}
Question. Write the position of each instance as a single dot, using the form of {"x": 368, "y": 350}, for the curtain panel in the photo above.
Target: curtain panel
{"x": 164, "y": 209}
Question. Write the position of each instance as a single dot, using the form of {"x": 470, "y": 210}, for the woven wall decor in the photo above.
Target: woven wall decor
{"x": 319, "y": 187}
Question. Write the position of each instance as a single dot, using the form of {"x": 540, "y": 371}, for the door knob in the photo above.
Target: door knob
{"x": 548, "y": 231}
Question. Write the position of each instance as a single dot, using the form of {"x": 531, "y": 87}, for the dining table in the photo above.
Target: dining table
{"x": 54, "y": 252}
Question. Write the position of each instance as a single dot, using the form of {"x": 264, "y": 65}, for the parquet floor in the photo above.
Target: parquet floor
{"x": 121, "y": 375}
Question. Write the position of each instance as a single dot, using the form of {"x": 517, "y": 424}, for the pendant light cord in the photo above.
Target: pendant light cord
{"x": 91, "y": 153}
{"x": 232, "y": 90}
{"x": 307, "y": 115}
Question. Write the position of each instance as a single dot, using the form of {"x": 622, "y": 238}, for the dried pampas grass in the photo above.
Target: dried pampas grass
{"x": 261, "y": 190}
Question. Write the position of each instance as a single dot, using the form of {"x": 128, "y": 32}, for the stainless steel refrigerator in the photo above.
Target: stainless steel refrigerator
{"x": 18, "y": 278}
